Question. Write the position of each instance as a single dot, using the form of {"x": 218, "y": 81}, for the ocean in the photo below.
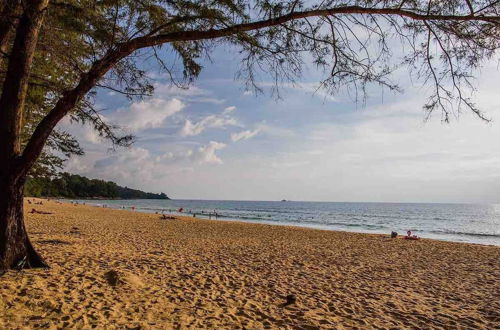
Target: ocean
{"x": 471, "y": 223}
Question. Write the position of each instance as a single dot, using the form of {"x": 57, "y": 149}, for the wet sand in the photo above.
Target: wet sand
{"x": 190, "y": 273}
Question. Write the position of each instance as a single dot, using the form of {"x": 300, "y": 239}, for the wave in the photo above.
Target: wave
{"x": 439, "y": 218}
{"x": 454, "y": 232}
{"x": 303, "y": 221}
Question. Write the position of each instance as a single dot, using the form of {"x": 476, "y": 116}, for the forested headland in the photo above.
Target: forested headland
{"x": 67, "y": 185}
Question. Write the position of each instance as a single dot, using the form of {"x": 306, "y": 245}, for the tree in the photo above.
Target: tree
{"x": 90, "y": 45}
{"x": 76, "y": 186}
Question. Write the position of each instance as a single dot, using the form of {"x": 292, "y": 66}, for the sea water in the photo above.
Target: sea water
{"x": 472, "y": 223}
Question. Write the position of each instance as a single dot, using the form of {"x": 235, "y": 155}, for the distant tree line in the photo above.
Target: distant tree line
{"x": 76, "y": 186}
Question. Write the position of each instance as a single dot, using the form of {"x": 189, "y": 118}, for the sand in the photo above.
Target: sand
{"x": 193, "y": 273}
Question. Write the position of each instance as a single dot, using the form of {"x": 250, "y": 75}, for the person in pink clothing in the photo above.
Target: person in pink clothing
{"x": 410, "y": 236}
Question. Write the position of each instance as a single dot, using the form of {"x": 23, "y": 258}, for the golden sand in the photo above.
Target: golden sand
{"x": 190, "y": 273}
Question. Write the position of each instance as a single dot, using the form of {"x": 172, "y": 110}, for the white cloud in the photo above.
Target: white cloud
{"x": 229, "y": 109}
{"x": 84, "y": 133}
{"x": 244, "y": 135}
{"x": 276, "y": 131}
{"x": 206, "y": 153}
{"x": 137, "y": 167}
{"x": 130, "y": 166}
{"x": 191, "y": 94}
{"x": 147, "y": 114}
{"x": 188, "y": 156}
{"x": 212, "y": 121}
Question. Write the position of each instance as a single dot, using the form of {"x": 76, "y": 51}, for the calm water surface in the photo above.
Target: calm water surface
{"x": 453, "y": 222}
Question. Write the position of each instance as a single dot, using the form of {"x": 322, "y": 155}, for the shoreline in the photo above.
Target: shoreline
{"x": 192, "y": 273}
{"x": 433, "y": 236}
{"x": 97, "y": 198}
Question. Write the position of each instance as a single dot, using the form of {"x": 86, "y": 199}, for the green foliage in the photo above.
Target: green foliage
{"x": 352, "y": 42}
{"x": 353, "y": 48}
{"x": 76, "y": 186}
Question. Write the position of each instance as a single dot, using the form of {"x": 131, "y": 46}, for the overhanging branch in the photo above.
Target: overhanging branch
{"x": 89, "y": 80}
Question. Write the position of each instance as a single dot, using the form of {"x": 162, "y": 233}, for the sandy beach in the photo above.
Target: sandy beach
{"x": 123, "y": 269}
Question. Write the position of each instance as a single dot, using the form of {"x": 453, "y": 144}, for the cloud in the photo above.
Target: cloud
{"x": 191, "y": 94}
{"x": 191, "y": 129}
{"x": 229, "y": 109}
{"x": 276, "y": 131}
{"x": 147, "y": 114}
{"x": 84, "y": 133}
{"x": 188, "y": 155}
{"x": 244, "y": 135}
{"x": 138, "y": 167}
{"x": 129, "y": 166}
{"x": 206, "y": 153}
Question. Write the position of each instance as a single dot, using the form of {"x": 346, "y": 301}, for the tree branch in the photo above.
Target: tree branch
{"x": 122, "y": 50}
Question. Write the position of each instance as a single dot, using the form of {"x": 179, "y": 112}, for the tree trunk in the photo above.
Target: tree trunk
{"x": 16, "y": 251}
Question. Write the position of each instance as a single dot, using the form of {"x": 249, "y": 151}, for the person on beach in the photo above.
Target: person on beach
{"x": 181, "y": 209}
{"x": 410, "y": 236}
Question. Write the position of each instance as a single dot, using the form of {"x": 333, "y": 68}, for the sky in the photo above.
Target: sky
{"x": 217, "y": 140}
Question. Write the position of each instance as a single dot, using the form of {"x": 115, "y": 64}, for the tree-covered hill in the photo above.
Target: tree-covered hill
{"x": 76, "y": 186}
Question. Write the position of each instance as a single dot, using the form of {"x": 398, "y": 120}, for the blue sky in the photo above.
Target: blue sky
{"x": 216, "y": 140}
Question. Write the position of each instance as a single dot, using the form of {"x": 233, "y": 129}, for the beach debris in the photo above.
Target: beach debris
{"x": 39, "y": 212}
{"x": 394, "y": 234}
{"x": 290, "y": 299}
{"x": 112, "y": 277}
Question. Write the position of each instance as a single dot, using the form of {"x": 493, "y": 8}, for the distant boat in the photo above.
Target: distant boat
{"x": 284, "y": 200}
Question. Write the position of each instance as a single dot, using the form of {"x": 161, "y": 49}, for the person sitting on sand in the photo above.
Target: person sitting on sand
{"x": 410, "y": 236}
